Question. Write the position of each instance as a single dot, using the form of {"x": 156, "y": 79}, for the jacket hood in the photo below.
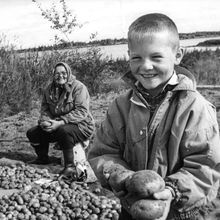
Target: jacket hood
{"x": 186, "y": 79}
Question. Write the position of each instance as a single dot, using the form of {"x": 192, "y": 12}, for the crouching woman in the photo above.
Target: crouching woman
{"x": 65, "y": 118}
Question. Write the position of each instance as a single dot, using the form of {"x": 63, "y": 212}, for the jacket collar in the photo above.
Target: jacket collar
{"x": 186, "y": 79}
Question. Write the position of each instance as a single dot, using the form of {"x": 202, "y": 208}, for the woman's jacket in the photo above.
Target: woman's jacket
{"x": 72, "y": 105}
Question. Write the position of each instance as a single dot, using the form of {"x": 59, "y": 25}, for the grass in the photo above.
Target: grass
{"x": 26, "y": 76}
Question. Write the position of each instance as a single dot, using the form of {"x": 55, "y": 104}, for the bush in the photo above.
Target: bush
{"x": 23, "y": 76}
{"x": 89, "y": 67}
{"x": 204, "y": 65}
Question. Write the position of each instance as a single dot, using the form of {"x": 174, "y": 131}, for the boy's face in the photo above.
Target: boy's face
{"x": 152, "y": 60}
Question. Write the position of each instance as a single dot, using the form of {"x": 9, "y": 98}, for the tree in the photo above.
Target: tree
{"x": 89, "y": 65}
{"x": 61, "y": 19}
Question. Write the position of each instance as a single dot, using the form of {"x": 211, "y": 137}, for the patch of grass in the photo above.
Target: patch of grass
{"x": 23, "y": 76}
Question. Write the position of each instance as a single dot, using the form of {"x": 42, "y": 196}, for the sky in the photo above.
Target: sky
{"x": 23, "y": 25}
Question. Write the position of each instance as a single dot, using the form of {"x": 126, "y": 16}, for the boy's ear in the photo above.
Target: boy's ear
{"x": 128, "y": 53}
{"x": 179, "y": 55}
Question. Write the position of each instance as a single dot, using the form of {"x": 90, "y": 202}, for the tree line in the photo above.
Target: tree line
{"x": 108, "y": 41}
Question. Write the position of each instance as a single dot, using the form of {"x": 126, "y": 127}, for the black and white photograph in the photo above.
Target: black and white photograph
{"x": 109, "y": 109}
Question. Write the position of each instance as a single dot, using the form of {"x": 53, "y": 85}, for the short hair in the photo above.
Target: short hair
{"x": 150, "y": 24}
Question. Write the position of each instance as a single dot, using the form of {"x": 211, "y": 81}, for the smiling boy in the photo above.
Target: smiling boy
{"x": 162, "y": 123}
{"x": 152, "y": 60}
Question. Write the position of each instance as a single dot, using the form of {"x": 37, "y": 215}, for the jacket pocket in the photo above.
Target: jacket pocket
{"x": 137, "y": 135}
{"x": 135, "y": 150}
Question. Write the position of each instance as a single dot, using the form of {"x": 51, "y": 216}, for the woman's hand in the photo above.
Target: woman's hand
{"x": 52, "y": 125}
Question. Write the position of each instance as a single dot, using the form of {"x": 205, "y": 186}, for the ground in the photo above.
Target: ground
{"x": 13, "y": 141}
{"x": 14, "y": 144}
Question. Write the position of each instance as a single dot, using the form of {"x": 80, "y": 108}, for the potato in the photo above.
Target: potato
{"x": 46, "y": 124}
{"x": 117, "y": 179}
{"x": 144, "y": 183}
{"x": 147, "y": 209}
{"x": 59, "y": 199}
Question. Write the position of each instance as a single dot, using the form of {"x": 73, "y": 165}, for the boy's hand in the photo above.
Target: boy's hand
{"x": 116, "y": 180}
{"x": 120, "y": 194}
{"x": 165, "y": 195}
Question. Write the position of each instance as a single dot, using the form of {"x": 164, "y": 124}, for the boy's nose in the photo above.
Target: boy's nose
{"x": 147, "y": 65}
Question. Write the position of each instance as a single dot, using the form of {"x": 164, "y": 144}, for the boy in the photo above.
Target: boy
{"x": 162, "y": 123}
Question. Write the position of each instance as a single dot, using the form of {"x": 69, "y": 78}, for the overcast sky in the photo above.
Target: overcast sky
{"x": 21, "y": 20}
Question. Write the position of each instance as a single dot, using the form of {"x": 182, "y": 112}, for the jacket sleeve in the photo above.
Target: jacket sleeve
{"x": 107, "y": 148}
{"x": 81, "y": 106}
{"x": 197, "y": 182}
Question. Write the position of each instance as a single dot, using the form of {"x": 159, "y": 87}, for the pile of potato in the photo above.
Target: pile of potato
{"x": 56, "y": 200}
{"x": 19, "y": 176}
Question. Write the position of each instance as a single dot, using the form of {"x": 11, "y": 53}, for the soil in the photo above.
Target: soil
{"x": 14, "y": 144}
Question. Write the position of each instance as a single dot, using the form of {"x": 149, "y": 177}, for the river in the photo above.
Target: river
{"x": 120, "y": 50}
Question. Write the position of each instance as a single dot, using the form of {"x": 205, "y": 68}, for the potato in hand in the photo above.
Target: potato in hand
{"x": 147, "y": 209}
{"x": 144, "y": 183}
{"x": 45, "y": 124}
{"x": 117, "y": 179}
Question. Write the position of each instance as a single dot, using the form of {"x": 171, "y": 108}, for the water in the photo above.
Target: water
{"x": 120, "y": 50}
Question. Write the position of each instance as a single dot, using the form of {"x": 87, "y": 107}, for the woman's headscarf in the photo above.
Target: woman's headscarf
{"x": 56, "y": 89}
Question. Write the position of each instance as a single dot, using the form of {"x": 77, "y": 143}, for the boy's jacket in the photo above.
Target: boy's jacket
{"x": 181, "y": 141}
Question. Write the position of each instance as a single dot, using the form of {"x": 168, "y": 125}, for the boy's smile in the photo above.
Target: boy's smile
{"x": 152, "y": 59}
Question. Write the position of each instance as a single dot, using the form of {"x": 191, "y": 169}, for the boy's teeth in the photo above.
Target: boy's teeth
{"x": 148, "y": 76}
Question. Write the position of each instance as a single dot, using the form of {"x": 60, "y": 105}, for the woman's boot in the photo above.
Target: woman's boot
{"x": 42, "y": 155}
{"x": 69, "y": 171}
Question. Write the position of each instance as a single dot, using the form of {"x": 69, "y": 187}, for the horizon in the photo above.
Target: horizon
{"x": 118, "y": 39}
{"x": 25, "y": 26}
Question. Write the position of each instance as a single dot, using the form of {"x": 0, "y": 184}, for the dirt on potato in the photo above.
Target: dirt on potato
{"x": 144, "y": 183}
{"x": 147, "y": 209}
{"x": 34, "y": 193}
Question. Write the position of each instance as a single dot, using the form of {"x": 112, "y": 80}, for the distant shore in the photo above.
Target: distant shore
{"x": 209, "y": 43}
{"x": 109, "y": 42}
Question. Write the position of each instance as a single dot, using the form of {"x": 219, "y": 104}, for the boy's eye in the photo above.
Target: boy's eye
{"x": 157, "y": 57}
{"x": 135, "y": 58}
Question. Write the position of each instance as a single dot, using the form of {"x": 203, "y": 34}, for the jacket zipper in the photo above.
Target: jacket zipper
{"x": 153, "y": 125}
